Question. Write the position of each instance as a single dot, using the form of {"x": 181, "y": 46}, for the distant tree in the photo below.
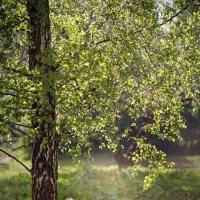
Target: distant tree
{"x": 79, "y": 64}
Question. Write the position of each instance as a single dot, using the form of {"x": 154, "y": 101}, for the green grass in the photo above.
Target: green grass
{"x": 106, "y": 183}
{"x": 99, "y": 182}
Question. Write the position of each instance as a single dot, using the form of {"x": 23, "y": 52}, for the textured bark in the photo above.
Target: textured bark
{"x": 44, "y": 154}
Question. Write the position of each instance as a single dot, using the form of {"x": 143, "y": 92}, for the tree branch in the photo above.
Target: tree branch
{"x": 12, "y": 25}
{"x": 170, "y": 19}
{"x": 102, "y": 41}
{"x": 23, "y": 125}
{"x": 18, "y": 72}
{"x": 11, "y": 156}
{"x": 13, "y": 127}
{"x": 177, "y": 14}
{"x": 8, "y": 94}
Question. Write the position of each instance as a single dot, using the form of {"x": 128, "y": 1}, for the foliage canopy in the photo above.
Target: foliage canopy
{"x": 107, "y": 57}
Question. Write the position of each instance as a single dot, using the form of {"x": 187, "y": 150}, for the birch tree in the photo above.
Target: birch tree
{"x": 79, "y": 64}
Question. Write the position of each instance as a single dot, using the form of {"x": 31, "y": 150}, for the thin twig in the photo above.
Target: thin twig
{"x": 17, "y": 71}
{"x": 176, "y": 15}
{"x": 169, "y": 19}
{"x": 23, "y": 125}
{"x": 13, "y": 127}
{"x": 13, "y": 25}
{"x": 11, "y": 156}
{"x": 102, "y": 41}
{"x": 8, "y": 94}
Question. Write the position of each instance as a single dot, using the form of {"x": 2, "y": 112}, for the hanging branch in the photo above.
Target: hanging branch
{"x": 11, "y": 156}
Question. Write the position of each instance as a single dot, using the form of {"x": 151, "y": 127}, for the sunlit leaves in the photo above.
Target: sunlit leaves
{"x": 106, "y": 57}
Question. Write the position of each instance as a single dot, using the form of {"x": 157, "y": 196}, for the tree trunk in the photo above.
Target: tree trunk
{"x": 45, "y": 145}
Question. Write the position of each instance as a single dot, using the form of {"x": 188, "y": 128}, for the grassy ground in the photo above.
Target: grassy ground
{"x": 98, "y": 182}
{"x": 107, "y": 183}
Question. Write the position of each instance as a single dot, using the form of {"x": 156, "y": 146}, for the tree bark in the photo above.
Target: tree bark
{"x": 45, "y": 145}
